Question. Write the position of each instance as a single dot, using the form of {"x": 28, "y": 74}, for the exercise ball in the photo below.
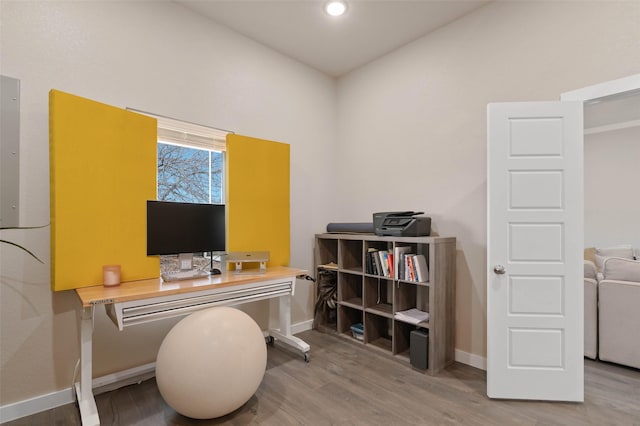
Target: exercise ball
{"x": 211, "y": 362}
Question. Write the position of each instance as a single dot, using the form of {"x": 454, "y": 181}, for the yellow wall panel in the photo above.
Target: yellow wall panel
{"x": 102, "y": 171}
{"x": 258, "y": 197}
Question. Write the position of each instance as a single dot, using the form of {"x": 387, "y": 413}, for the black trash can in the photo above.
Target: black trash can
{"x": 419, "y": 349}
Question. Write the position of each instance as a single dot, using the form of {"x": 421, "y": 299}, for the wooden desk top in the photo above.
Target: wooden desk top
{"x": 144, "y": 289}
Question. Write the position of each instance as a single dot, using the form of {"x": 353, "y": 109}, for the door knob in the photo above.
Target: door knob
{"x": 499, "y": 269}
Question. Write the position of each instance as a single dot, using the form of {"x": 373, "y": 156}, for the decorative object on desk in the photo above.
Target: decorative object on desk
{"x": 211, "y": 362}
{"x": 111, "y": 275}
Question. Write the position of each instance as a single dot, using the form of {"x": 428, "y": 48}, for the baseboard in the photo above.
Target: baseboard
{"x": 35, "y": 405}
{"x": 52, "y": 400}
{"x": 123, "y": 378}
{"x": 301, "y": 326}
{"x": 473, "y": 360}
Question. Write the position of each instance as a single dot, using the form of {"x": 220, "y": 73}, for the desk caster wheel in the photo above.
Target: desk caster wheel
{"x": 270, "y": 340}
{"x": 306, "y": 357}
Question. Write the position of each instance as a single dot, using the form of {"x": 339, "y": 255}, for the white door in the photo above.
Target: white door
{"x": 535, "y": 251}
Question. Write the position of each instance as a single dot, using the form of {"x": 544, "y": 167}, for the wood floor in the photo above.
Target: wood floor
{"x": 346, "y": 384}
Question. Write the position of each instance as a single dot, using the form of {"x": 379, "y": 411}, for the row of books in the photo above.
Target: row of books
{"x": 398, "y": 264}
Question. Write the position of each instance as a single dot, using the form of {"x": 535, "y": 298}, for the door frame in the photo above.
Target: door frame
{"x": 602, "y": 90}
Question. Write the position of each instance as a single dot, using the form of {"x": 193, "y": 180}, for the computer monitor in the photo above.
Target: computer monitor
{"x": 185, "y": 228}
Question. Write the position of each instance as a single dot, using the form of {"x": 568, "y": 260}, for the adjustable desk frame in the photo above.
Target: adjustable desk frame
{"x": 151, "y": 300}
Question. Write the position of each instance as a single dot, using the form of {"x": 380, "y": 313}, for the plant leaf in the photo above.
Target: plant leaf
{"x": 22, "y": 248}
{"x": 23, "y": 227}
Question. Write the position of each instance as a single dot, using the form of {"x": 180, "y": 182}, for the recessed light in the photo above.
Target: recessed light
{"x": 335, "y": 7}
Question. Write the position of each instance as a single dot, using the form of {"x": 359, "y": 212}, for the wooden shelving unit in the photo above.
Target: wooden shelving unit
{"x": 374, "y": 300}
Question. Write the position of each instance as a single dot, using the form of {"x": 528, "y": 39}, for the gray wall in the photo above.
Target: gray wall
{"x": 612, "y": 195}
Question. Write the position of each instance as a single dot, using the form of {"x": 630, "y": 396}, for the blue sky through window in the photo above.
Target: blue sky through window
{"x": 189, "y": 175}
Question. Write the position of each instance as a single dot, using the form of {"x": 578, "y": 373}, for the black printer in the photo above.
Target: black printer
{"x": 401, "y": 224}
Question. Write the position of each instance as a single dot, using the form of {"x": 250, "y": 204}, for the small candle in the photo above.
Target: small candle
{"x": 111, "y": 275}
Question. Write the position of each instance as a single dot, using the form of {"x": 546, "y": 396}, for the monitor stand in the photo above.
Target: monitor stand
{"x": 240, "y": 257}
{"x": 185, "y": 261}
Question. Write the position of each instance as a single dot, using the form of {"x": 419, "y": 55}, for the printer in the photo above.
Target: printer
{"x": 401, "y": 224}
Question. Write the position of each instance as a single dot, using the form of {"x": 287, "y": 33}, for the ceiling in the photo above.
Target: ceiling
{"x": 301, "y": 30}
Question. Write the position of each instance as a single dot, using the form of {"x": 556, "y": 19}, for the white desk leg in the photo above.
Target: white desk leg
{"x": 284, "y": 334}
{"x": 84, "y": 391}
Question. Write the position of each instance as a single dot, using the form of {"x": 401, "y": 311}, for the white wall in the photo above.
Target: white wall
{"x": 412, "y": 125}
{"x": 157, "y": 57}
{"x": 612, "y": 188}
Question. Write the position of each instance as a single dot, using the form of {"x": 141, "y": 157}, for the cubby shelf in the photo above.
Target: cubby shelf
{"x": 373, "y": 300}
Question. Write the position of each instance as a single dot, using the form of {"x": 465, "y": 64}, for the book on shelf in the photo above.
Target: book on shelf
{"x": 375, "y": 261}
{"x": 415, "y": 268}
{"x": 384, "y": 262}
{"x": 398, "y": 259}
{"x": 376, "y": 264}
{"x": 422, "y": 270}
{"x": 410, "y": 271}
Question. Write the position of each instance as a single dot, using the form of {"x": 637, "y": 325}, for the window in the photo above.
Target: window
{"x": 191, "y": 162}
{"x": 191, "y": 175}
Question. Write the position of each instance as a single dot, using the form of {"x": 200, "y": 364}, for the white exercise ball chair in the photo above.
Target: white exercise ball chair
{"x": 211, "y": 362}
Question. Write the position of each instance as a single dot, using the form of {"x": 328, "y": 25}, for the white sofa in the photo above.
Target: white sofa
{"x": 590, "y": 310}
{"x": 611, "y": 301}
{"x": 619, "y": 312}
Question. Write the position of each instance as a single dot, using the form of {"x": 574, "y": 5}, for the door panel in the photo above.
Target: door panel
{"x": 523, "y": 193}
{"x": 536, "y": 295}
{"x": 534, "y": 242}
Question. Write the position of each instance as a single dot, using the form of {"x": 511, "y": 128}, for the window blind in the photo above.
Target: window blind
{"x": 189, "y": 134}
